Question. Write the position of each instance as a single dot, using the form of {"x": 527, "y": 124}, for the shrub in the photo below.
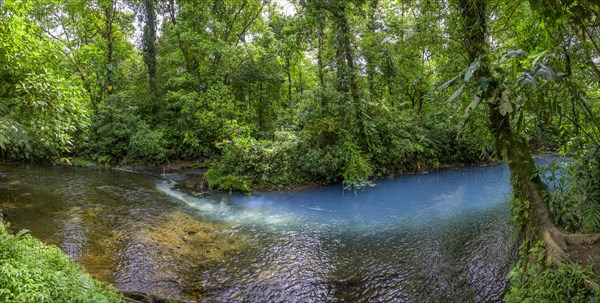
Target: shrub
{"x": 357, "y": 168}
{"x": 118, "y": 135}
{"x": 539, "y": 284}
{"x": 194, "y": 121}
{"x": 147, "y": 146}
{"x": 111, "y": 130}
{"x": 218, "y": 179}
{"x": 399, "y": 145}
{"x": 575, "y": 199}
{"x": 31, "y": 271}
{"x": 247, "y": 161}
{"x": 565, "y": 284}
{"x": 287, "y": 159}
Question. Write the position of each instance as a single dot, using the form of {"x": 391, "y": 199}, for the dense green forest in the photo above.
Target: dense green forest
{"x": 286, "y": 92}
{"x": 269, "y": 93}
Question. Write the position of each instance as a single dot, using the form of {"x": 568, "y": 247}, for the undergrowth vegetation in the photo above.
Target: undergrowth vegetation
{"x": 537, "y": 282}
{"x": 32, "y": 272}
{"x": 574, "y": 199}
{"x": 118, "y": 134}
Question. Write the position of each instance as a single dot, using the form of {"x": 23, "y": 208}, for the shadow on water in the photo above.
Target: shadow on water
{"x": 438, "y": 237}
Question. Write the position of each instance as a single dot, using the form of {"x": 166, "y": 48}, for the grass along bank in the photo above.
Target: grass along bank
{"x": 31, "y": 271}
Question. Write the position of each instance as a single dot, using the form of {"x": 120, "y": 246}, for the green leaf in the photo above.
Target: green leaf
{"x": 527, "y": 79}
{"x": 457, "y": 93}
{"x": 548, "y": 73}
{"x": 474, "y": 104}
{"x": 483, "y": 83}
{"x": 511, "y": 274}
{"x": 471, "y": 69}
{"x": 515, "y": 53}
{"x": 505, "y": 107}
{"x": 519, "y": 122}
{"x": 537, "y": 57}
{"x": 591, "y": 216}
{"x": 449, "y": 83}
{"x": 21, "y": 233}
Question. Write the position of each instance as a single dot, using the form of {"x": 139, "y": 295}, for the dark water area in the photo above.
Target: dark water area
{"x": 438, "y": 237}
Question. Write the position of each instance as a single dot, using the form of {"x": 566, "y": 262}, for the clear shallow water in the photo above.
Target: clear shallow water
{"x": 439, "y": 237}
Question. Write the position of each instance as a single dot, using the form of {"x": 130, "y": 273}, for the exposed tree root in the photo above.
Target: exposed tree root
{"x": 557, "y": 240}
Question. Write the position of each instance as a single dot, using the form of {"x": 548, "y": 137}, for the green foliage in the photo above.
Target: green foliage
{"x": 539, "y": 284}
{"x": 147, "y": 146}
{"x": 31, "y": 271}
{"x": 585, "y": 169}
{"x": 218, "y": 179}
{"x": 398, "y": 145}
{"x": 194, "y": 121}
{"x": 357, "y": 169}
{"x": 13, "y": 137}
{"x": 520, "y": 210}
{"x": 590, "y": 217}
{"x": 328, "y": 148}
{"x": 21, "y": 233}
{"x": 575, "y": 199}
{"x": 565, "y": 209}
{"x": 286, "y": 159}
{"x": 119, "y": 135}
{"x": 110, "y": 131}
{"x": 43, "y": 108}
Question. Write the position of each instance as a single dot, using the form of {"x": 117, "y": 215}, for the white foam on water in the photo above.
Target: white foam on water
{"x": 224, "y": 211}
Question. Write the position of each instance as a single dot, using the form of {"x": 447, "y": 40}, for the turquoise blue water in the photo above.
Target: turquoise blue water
{"x": 438, "y": 237}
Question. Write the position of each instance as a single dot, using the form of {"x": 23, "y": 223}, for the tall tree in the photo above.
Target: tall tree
{"x": 149, "y": 45}
{"x": 525, "y": 181}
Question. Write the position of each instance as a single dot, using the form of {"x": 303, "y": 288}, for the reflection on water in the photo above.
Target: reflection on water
{"x": 439, "y": 237}
{"x": 117, "y": 225}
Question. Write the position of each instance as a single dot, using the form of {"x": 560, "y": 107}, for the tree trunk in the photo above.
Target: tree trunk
{"x": 344, "y": 59}
{"x": 288, "y": 72}
{"x": 525, "y": 181}
{"x": 149, "y": 48}
{"x": 109, "y": 18}
{"x": 321, "y": 74}
{"x": 369, "y": 52}
{"x": 260, "y": 107}
{"x": 346, "y": 72}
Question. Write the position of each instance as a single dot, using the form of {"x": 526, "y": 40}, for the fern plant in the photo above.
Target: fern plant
{"x": 13, "y": 135}
{"x": 591, "y": 216}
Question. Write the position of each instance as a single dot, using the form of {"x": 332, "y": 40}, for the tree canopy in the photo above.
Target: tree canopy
{"x": 354, "y": 89}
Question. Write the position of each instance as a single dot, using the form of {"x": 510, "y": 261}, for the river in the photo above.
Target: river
{"x": 438, "y": 237}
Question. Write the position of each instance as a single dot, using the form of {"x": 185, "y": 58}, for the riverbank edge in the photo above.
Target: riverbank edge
{"x": 546, "y": 270}
{"x": 188, "y": 166}
{"x": 33, "y": 271}
{"x": 183, "y": 167}
{"x": 201, "y": 167}
{"x": 43, "y": 251}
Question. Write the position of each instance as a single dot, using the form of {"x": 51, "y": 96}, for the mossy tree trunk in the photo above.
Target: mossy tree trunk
{"x": 525, "y": 181}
